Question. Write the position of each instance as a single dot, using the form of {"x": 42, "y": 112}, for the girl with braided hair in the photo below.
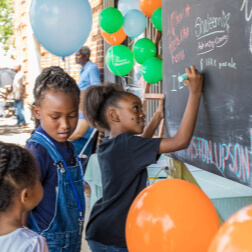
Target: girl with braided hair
{"x": 20, "y": 191}
{"x": 60, "y": 215}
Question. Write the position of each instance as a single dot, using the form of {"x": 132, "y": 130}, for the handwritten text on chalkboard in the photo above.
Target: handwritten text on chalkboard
{"x": 215, "y": 36}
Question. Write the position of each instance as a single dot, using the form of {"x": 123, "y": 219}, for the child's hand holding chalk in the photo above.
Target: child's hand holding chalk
{"x": 193, "y": 80}
{"x": 182, "y": 77}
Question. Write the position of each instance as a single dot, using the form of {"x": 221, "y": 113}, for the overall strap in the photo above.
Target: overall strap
{"x": 52, "y": 149}
{"x": 49, "y": 147}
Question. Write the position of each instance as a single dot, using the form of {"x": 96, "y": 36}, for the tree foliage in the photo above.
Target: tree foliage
{"x": 6, "y": 23}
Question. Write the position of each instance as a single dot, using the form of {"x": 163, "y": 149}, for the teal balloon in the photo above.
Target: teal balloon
{"x": 110, "y": 20}
{"x": 119, "y": 60}
{"x": 143, "y": 49}
{"x": 152, "y": 70}
{"x": 61, "y": 26}
{"x": 156, "y": 19}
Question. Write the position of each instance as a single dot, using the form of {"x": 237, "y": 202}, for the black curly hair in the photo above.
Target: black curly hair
{"x": 55, "y": 78}
{"x": 98, "y": 99}
{"x": 18, "y": 170}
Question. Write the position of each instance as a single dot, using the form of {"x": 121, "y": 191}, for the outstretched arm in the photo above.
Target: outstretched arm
{"x": 155, "y": 120}
{"x": 183, "y": 136}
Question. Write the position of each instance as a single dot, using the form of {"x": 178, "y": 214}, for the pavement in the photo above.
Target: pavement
{"x": 10, "y": 132}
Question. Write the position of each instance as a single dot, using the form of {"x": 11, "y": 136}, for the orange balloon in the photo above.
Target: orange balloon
{"x": 149, "y": 6}
{"x": 235, "y": 233}
{"x": 171, "y": 215}
{"x": 115, "y": 38}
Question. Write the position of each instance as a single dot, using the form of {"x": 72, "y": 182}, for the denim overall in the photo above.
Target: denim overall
{"x": 64, "y": 233}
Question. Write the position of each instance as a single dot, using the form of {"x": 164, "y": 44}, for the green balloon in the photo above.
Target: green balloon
{"x": 110, "y": 20}
{"x": 119, "y": 60}
{"x": 156, "y": 19}
{"x": 143, "y": 49}
{"x": 152, "y": 70}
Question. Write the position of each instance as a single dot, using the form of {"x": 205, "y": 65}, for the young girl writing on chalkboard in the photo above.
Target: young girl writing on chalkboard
{"x": 123, "y": 157}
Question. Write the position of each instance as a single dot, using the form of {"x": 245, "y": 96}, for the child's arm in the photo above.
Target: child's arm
{"x": 81, "y": 129}
{"x": 183, "y": 136}
{"x": 155, "y": 120}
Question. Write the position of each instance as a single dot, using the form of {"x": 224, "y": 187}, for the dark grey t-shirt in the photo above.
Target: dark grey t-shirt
{"x": 123, "y": 161}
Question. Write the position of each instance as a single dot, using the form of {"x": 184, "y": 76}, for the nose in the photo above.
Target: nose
{"x": 64, "y": 124}
{"x": 142, "y": 114}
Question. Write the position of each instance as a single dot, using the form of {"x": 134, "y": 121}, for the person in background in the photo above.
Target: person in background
{"x": 89, "y": 73}
{"x": 59, "y": 216}
{"x": 20, "y": 191}
{"x": 19, "y": 95}
{"x": 123, "y": 157}
{"x": 82, "y": 132}
{"x": 2, "y": 102}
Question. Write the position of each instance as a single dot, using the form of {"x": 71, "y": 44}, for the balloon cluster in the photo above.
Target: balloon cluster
{"x": 174, "y": 215}
{"x": 130, "y": 20}
{"x": 55, "y": 28}
{"x": 171, "y": 215}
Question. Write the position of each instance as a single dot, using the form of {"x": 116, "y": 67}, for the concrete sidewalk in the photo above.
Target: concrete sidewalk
{"x": 12, "y": 133}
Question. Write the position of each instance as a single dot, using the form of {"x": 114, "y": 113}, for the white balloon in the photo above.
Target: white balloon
{"x": 126, "y": 5}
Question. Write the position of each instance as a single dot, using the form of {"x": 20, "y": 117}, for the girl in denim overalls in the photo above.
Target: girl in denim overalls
{"x": 59, "y": 216}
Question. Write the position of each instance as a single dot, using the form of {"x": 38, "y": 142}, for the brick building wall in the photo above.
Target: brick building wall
{"x": 21, "y": 20}
{"x": 22, "y": 31}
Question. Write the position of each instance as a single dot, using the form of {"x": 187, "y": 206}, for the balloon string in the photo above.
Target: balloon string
{"x": 156, "y": 176}
{"x": 127, "y": 76}
{"x": 123, "y": 81}
{"x": 131, "y": 43}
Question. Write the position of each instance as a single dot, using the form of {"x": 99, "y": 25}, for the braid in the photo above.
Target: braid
{"x": 98, "y": 99}
{"x": 18, "y": 170}
{"x": 54, "y": 78}
{"x": 4, "y": 157}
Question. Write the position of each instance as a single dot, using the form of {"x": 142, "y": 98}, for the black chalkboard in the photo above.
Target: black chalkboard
{"x": 215, "y": 36}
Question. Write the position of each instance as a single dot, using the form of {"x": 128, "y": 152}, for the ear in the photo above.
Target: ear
{"x": 26, "y": 199}
{"x": 86, "y": 56}
{"x": 36, "y": 111}
{"x": 25, "y": 195}
{"x": 113, "y": 115}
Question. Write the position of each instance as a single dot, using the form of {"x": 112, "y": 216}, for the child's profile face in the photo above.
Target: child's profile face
{"x": 131, "y": 115}
{"x": 58, "y": 114}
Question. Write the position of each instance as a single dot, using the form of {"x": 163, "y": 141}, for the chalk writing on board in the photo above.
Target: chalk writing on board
{"x": 212, "y": 62}
{"x": 176, "y": 37}
{"x": 232, "y": 156}
{"x": 219, "y": 44}
{"x": 204, "y": 62}
{"x": 248, "y": 17}
{"x": 211, "y": 26}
